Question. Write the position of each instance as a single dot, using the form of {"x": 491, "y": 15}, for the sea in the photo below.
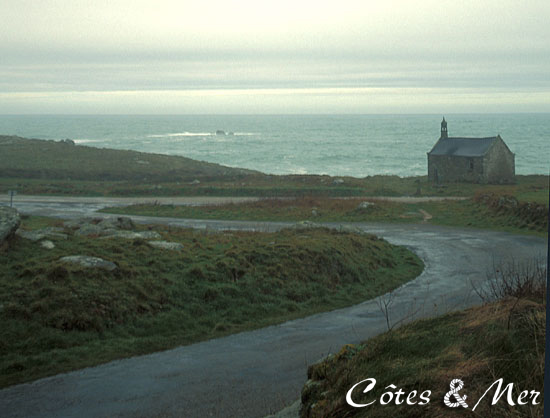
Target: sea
{"x": 338, "y": 145}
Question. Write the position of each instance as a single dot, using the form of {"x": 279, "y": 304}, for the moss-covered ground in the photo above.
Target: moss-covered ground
{"x": 58, "y": 317}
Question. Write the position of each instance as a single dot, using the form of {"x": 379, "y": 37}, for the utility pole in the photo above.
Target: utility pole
{"x": 12, "y": 193}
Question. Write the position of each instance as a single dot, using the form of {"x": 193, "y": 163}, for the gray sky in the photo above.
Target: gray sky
{"x": 383, "y": 56}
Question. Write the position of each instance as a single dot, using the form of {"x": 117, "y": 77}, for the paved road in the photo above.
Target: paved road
{"x": 255, "y": 373}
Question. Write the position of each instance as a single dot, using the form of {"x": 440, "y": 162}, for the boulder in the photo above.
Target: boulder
{"x": 364, "y": 205}
{"x": 119, "y": 227}
{"x": 77, "y": 223}
{"x": 9, "y": 222}
{"x": 121, "y": 222}
{"x": 125, "y": 223}
{"x": 47, "y": 244}
{"x": 166, "y": 245}
{"x": 134, "y": 235}
{"x": 351, "y": 229}
{"x": 306, "y": 225}
{"x": 92, "y": 229}
{"x": 89, "y": 262}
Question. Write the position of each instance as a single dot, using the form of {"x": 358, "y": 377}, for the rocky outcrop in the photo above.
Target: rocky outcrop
{"x": 95, "y": 226}
{"x": 166, "y": 245}
{"x": 9, "y": 222}
{"x": 89, "y": 262}
{"x": 38, "y": 234}
{"x": 120, "y": 227}
{"x": 302, "y": 225}
{"x": 133, "y": 235}
{"x": 90, "y": 229}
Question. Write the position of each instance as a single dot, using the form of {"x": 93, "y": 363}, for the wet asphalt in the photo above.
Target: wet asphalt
{"x": 252, "y": 374}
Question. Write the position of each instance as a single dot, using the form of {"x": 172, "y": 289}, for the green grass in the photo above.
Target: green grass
{"x": 478, "y": 346}
{"x": 57, "y": 317}
{"x": 41, "y": 159}
{"x": 464, "y": 213}
{"x": 33, "y": 166}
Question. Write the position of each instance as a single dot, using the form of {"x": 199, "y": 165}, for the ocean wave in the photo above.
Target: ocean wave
{"x": 179, "y": 134}
{"x": 87, "y": 141}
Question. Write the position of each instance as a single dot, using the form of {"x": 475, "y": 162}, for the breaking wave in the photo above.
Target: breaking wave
{"x": 201, "y": 134}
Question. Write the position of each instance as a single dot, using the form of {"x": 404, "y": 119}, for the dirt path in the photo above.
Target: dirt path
{"x": 255, "y": 373}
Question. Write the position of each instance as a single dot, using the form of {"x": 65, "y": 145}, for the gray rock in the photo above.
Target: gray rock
{"x": 89, "y": 262}
{"x": 134, "y": 235}
{"x": 38, "y": 234}
{"x": 305, "y": 225}
{"x": 47, "y": 244}
{"x": 9, "y": 222}
{"x": 338, "y": 181}
{"x": 365, "y": 205}
{"x": 77, "y": 223}
{"x": 166, "y": 245}
{"x": 351, "y": 229}
{"x": 119, "y": 227}
{"x": 126, "y": 223}
{"x": 100, "y": 226}
{"x": 121, "y": 222}
{"x": 314, "y": 212}
{"x": 92, "y": 229}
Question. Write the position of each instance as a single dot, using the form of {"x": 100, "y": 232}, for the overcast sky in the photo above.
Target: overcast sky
{"x": 254, "y": 56}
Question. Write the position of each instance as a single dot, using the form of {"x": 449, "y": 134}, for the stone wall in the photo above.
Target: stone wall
{"x": 499, "y": 164}
{"x": 445, "y": 169}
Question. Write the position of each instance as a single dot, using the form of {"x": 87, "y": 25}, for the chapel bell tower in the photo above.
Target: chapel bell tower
{"x": 444, "y": 128}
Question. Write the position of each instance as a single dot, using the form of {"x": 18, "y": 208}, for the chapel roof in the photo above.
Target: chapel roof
{"x": 463, "y": 147}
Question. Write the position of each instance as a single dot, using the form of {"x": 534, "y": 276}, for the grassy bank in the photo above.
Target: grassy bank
{"x": 58, "y": 317}
{"x": 503, "y": 339}
{"x": 480, "y": 345}
{"x": 484, "y": 211}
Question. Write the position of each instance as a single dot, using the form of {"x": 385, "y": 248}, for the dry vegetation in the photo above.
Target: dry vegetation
{"x": 501, "y": 339}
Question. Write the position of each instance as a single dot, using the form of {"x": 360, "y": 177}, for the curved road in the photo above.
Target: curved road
{"x": 255, "y": 373}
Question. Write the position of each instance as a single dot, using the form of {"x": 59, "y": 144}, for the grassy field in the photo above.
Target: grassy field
{"x": 41, "y": 159}
{"x": 480, "y": 212}
{"x": 503, "y": 338}
{"x": 58, "y": 317}
{"x": 57, "y": 168}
